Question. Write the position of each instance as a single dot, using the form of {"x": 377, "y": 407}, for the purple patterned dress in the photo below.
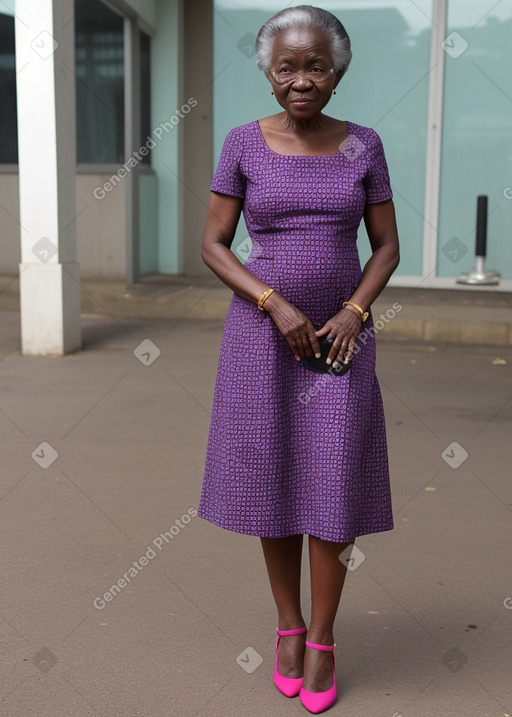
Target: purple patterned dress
{"x": 291, "y": 451}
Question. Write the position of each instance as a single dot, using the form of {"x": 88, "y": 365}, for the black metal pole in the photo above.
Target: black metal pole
{"x": 481, "y": 225}
{"x": 478, "y": 275}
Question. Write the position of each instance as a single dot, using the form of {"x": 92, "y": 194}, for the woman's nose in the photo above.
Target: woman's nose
{"x": 302, "y": 80}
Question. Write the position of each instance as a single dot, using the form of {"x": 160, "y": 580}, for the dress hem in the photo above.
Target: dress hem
{"x": 307, "y": 531}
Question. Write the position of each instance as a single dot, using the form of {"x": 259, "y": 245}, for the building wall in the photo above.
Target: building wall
{"x": 10, "y": 256}
{"x": 101, "y": 222}
{"x": 197, "y": 131}
{"x": 145, "y": 9}
{"x": 202, "y": 54}
{"x": 100, "y": 228}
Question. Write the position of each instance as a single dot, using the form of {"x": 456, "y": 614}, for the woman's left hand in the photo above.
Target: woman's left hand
{"x": 345, "y": 327}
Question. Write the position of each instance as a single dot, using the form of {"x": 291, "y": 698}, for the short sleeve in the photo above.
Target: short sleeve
{"x": 228, "y": 178}
{"x": 376, "y": 182}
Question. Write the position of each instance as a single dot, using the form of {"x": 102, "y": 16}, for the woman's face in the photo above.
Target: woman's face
{"x": 302, "y": 51}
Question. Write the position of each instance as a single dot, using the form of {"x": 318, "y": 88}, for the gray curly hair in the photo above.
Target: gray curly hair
{"x": 304, "y": 17}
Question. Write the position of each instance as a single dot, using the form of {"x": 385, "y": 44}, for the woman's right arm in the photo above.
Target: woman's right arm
{"x": 221, "y": 222}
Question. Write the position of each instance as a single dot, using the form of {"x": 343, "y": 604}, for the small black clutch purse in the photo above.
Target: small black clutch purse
{"x": 319, "y": 365}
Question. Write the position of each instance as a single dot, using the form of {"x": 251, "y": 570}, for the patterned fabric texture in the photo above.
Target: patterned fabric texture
{"x": 290, "y": 451}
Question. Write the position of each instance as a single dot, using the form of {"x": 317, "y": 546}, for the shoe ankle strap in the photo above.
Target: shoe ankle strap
{"x": 325, "y": 648}
{"x": 286, "y": 633}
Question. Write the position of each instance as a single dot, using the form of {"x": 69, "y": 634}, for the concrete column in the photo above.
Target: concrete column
{"x": 196, "y": 170}
{"x": 49, "y": 272}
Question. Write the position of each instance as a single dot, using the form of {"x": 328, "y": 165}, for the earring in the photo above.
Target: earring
{"x": 271, "y": 93}
{"x": 334, "y": 92}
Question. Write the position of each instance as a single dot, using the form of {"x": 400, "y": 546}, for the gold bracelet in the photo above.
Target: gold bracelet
{"x": 263, "y": 298}
{"x": 363, "y": 315}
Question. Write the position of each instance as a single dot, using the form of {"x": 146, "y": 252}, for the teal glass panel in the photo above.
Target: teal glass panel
{"x": 477, "y": 135}
{"x": 148, "y": 226}
{"x": 386, "y": 87}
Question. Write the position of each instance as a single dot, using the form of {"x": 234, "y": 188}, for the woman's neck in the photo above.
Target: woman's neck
{"x": 304, "y": 126}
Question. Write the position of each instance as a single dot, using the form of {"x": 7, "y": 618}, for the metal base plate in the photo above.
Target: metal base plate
{"x": 485, "y": 278}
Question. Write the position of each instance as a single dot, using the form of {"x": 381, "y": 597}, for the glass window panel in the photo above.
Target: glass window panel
{"x": 99, "y": 83}
{"x": 8, "y": 114}
{"x": 99, "y": 91}
{"x": 386, "y": 87}
{"x": 477, "y": 135}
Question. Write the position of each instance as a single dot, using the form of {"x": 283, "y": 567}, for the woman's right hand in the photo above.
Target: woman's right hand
{"x": 294, "y": 325}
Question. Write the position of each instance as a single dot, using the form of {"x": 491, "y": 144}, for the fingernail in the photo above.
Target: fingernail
{"x": 317, "y": 355}
{"x": 329, "y": 361}
{"x": 297, "y": 358}
{"x": 336, "y": 365}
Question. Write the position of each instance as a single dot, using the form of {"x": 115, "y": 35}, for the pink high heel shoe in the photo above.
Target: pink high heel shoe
{"x": 288, "y": 686}
{"x": 316, "y": 702}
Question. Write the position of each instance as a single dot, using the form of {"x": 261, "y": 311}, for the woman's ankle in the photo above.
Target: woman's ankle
{"x": 320, "y": 636}
{"x": 290, "y": 622}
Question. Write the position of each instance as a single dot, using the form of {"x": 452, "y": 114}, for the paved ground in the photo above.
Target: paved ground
{"x": 474, "y": 315}
{"x": 425, "y": 624}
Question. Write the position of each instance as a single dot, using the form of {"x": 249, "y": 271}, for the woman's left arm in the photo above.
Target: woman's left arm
{"x": 382, "y": 231}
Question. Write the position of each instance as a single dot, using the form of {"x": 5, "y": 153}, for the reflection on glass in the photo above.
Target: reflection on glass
{"x": 8, "y": 115}
{"x": 145, "y": 92}
{"x": 477, "y": 136}
{"x": 99, "y": 83}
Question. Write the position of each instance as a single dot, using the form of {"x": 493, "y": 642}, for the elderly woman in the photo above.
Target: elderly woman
{"x": 292, "y": 452}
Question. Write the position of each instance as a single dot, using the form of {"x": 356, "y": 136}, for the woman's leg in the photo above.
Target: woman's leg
{"x": 283, "y": 557}
{"x": 327, "y": 578}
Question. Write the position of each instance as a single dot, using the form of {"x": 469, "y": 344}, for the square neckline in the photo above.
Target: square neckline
{"x": 295, "y": 156}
